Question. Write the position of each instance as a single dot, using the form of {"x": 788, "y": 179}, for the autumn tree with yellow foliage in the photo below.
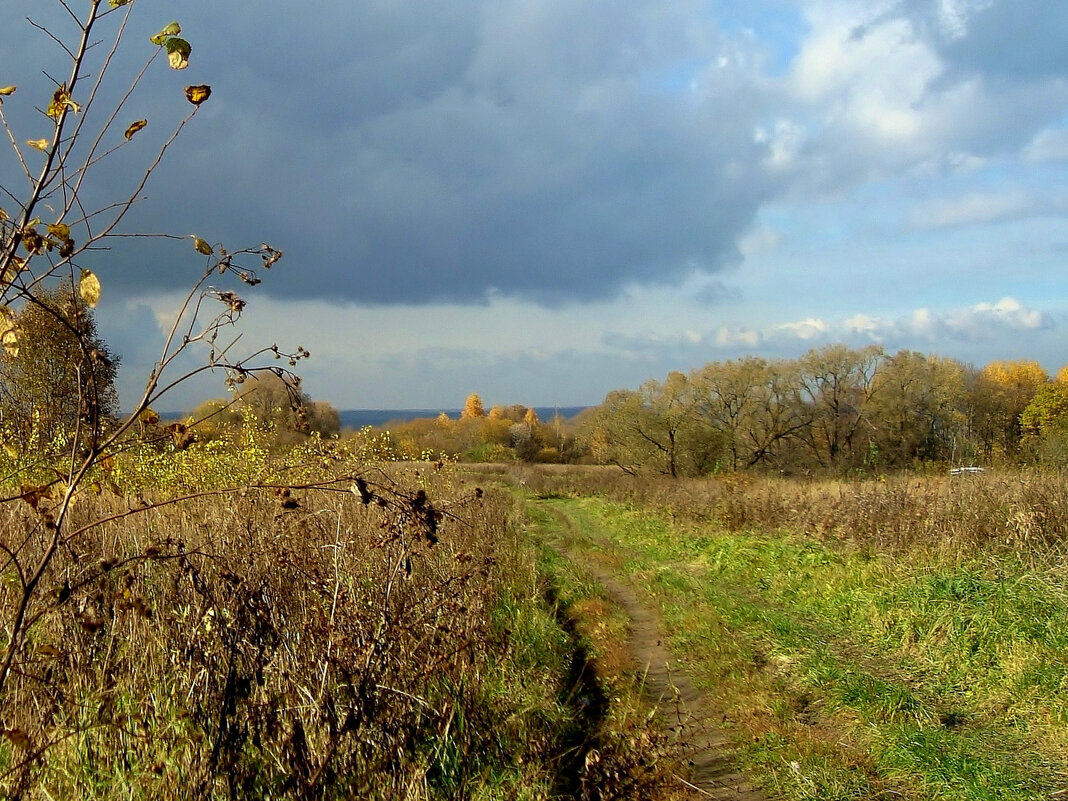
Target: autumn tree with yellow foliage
{"x": 997, "y": 398}
{"x": 838, "y": 410}
{"x": 473, "y": 408}
{"x": 1044, "y": 423}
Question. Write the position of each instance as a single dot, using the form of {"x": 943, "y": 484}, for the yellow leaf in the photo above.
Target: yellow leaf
{"x": 7, "y": 90}
{"x": 59, "y": 230}
{"x": 11, "y": 450}
{"x": 202, "y": 246}
{"x": 134, "y": 128}
{"x": 39, "y": 144}
{"x": 64, "y": 491}
{"x": 14, "y": 267}
{"x": 33, "y": 242}
{"x": 89, "y": 288}
{"x": 197, "y": 94}
{"x": 117, "y": 3}
{"x": 60, "y": 102}
{"x": 9, "y": 339}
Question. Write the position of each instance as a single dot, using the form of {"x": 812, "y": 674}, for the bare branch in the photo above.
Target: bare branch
{"x": 73, "y": 16}
{"x": 53, "y": 37}
{"x": 16, "y": 148}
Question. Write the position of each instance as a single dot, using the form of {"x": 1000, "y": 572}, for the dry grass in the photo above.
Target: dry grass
{"x": 1025, "y": 511}
{"x": 305, "y": 644}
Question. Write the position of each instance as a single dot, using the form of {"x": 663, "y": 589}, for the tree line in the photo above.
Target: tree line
{"x": 835, "y": 409}
{"x": 499, "y": 434}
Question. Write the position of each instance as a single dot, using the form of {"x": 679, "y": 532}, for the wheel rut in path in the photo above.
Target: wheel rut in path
{"x": 681, "y": 705}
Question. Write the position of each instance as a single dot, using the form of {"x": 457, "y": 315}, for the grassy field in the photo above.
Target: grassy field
{"x": 421, "y": 634}
{"x": 887, "y": 652}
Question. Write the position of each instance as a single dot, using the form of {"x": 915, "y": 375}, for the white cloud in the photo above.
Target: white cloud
{"x": 972, "y": 209}
{"x": 862, "y": 324}
{"x": 868, "y": 73}
{"x": 1050, "y": 144}
{"x": 809, "y": 328}
{"x": 1007, "y": 313}
{"x": 921, "y": 323}
{"x": 977, "y": 323}
{"x": 783, "y": 141}
{"x": 726, "y": 337}
{"x": 759, "y": 239}
{"x": 879, "y": 89}
{"x": 954, "y": 15}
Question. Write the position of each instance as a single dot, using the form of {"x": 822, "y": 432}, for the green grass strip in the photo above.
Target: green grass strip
{"x": 920, "y": 675}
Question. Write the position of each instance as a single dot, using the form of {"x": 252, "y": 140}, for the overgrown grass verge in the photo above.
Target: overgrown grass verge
{"x": 314, "y": 643}
{"x": 863, "y": 668}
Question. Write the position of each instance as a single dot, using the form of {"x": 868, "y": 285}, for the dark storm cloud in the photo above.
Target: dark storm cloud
{"x": 423, "y": 151}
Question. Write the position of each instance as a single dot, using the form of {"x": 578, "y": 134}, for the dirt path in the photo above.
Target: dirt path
{"x": 681, "y": 704}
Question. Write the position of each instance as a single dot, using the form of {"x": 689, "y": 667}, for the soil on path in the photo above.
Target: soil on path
{"x": 681, "y": 705}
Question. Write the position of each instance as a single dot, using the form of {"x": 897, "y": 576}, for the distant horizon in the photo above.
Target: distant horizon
{"x": 358, "y": 418}
{"x": 434, "y": 409}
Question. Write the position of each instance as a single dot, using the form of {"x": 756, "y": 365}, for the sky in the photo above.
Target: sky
{"x": 545, "y": 200}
